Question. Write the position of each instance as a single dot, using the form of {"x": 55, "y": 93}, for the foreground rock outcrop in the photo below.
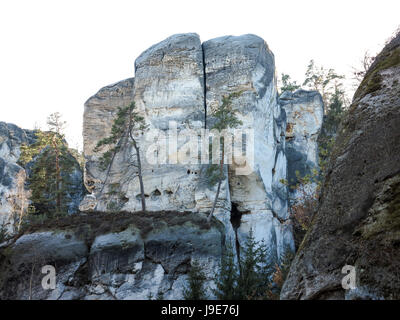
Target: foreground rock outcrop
{"x": 111, "y": 256}
{"x": 358, "y": 219}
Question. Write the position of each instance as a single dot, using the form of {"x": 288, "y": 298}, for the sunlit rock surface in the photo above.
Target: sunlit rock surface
{"x": 180, "y": 80}
{"x": 245, "y": 64}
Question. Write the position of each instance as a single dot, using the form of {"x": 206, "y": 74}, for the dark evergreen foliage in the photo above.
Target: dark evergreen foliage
{"x": 195, "y": 288}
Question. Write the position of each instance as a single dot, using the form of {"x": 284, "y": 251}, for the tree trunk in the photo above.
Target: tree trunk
{"x": 58, "y": 177}
{"x": 219, "y": 186}
{"x": 140, "y": 178}
{"x": 215, "y": 201}
{"x": 139, "y": 165}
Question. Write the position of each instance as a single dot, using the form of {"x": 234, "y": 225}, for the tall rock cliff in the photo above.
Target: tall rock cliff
{"x": 177, "y": 84}
{"x": 245, "y": 63}
{"x": 358, "y": 219}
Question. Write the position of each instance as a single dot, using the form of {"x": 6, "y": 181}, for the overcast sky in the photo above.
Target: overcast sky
{"x": 55, "y": 54}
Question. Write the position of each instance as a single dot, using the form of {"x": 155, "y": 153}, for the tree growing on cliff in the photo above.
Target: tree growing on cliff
{"x": 225, "y": 117}
{"x": 287, "y": 84}
{"x": 360, "y": 71}
{"x": 125, "y": 131}
{"x": 322, "y": 80}
{"x": 330, "y": 85}
{"x": 49, "y": 173}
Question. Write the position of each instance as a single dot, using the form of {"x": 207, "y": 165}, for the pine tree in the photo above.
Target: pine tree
{"x": 249, "y": 279}
{"x": 227, "y": 277}
{"x": 335, "y": 111}
{"x": 288, "y": 84}
{"x": 126, "y": 128}
{"x": 49, "y": 172}
{"x": 195, "y": 289}
{"x": 225, "y": 117}
{"x": 255, "y": 271}
{"x": 322, "y": 80}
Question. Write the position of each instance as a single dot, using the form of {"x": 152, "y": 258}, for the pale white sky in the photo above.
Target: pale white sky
{"x": 55, "y": 54}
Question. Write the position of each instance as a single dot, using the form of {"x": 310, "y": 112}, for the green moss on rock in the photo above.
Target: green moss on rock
{"x": 372, "y": 81}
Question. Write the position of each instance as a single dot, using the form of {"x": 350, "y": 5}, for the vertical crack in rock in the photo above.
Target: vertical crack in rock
{"x": 205, "y": 87}
{"x": 236, "y": 217}
{"x": 245, "y": 64}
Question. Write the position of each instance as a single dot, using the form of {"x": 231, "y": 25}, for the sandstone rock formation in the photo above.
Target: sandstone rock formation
{"x": 168, "y": 87}
{"x": 182, "y": 80}
{"x": 11, "y": 138}
{"x": 245, "y": 63}
{"x": 304, "y": 112}
{"x": 358, "y": 219}
{"x": 120, "y": 256}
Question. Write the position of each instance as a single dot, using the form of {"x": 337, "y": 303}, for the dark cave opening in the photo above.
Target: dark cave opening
{"x": 236, "y": 217}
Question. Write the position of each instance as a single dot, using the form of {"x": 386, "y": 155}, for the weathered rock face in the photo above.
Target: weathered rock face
{"x": 98, "y": 116}
{"x": 168, "y": 86}
{"x": 245, "y": 64}
{"x": 358, "y": 219}
{"x": 11, "y": 138}
{"x": 181, "y": 80}
{"x": 121, "y": 256}
{"x": 304, "y": 112}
